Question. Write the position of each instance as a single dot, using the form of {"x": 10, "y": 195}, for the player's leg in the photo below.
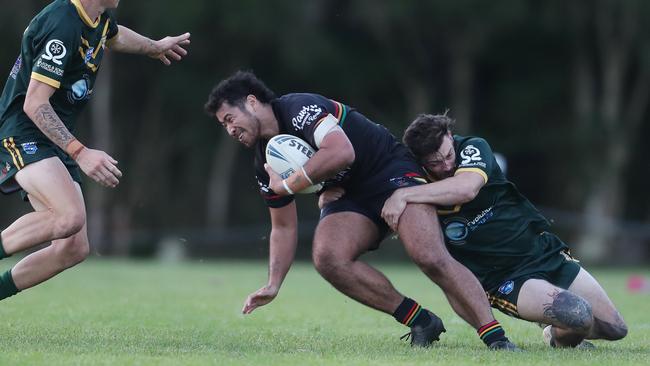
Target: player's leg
{"x": 339, "y": 240}
{"x": 569, "y": 314}
{"x": 47, "y": 180}
{"x": 608, "y": 323}
{"x": 60, "y": 214}
{"x": 420, "y": 233}
{"x": 48, "y": 262}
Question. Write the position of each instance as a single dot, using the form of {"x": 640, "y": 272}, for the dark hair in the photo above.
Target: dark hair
{"x": 424, "y": 135}
{"x": 235, "y": 89}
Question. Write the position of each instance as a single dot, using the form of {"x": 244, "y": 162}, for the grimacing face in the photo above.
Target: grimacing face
{"x": 442, "y": 163}
{"x": 240, "y": 123}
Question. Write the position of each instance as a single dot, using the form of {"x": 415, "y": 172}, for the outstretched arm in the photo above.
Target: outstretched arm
{"x": 95, "y": 163}
{"x": 283, "y": 241}
{"x": 129, "y": 41}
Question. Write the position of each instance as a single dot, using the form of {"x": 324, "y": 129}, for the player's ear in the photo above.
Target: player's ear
{"x": 252, "y": 101}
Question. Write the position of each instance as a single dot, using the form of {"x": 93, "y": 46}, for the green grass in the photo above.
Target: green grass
{"x": 147, "y": 313}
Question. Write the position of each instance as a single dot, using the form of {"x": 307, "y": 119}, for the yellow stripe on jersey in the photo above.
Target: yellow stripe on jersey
{"x": 83, "y": 15}
{"x": 20, "y": 157}
{"x": 12, "y": 152}
{"x": 475, "y": 170}
{"x": 100, "y": 45}
{"x": 44, "y": 79}
{"x": 449, "y": 212}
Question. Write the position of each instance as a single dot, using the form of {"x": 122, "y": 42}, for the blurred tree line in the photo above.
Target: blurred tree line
{"x": 559, "y": 87}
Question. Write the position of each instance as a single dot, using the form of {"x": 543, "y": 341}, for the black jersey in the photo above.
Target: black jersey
{"x": 299, "y": 115}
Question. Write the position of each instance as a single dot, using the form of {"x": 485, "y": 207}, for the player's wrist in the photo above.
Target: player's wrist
{"x": 74, "y": 148}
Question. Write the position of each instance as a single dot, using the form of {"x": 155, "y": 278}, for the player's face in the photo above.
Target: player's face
{"x": 442, "y": 163}
{"x": 240, "y": 123}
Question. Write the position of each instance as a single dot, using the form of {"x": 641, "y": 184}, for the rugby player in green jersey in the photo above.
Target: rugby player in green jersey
{"x": 526, "y": 271}
{"x": 49, "y": 84}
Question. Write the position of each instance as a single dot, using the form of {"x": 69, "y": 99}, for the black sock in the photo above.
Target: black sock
{"x": 492, "y": 332}
{"x": 410, "y": 313}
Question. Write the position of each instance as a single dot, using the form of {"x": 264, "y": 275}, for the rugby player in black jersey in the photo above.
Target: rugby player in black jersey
{"x": 363, "y": 158}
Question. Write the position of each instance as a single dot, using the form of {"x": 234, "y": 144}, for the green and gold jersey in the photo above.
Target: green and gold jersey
{"x": 63, "y": 48}
{"x": 491, "y": 235}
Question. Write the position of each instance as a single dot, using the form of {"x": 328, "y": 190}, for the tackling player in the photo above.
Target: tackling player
{"x": 502, "y": 238}
{"x": 369, "y": 163}
{"x": 48, "y": 86}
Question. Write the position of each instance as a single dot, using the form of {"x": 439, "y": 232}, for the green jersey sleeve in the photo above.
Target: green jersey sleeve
{"x": 475, "y": 155}
{"x": 112, "y": 27}
{"x": 53, "y": 44}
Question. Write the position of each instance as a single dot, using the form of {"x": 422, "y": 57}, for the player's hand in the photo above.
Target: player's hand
{"x": 259, "y": 298}
{"x": 99, "y": 166}
{"x": 275, "y": 181}
{"x": 331, "y": 194}
{"x": 393, "y": 209}
{"x": 171, "y": 48}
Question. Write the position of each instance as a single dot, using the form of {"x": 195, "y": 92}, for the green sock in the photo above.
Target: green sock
{"x": 7, "y": 286}
{"x": 3, "y": 254}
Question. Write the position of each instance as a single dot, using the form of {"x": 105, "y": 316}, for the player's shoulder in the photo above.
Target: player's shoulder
{"x": 301, "y": 99}
{"x": 463, "y": 141}
{"x": 59, "y": 15}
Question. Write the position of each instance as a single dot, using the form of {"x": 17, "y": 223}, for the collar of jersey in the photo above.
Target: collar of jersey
{"x": 83, "y": 15}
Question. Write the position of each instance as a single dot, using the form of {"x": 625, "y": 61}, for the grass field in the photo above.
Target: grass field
{"x": 148, "y": 313}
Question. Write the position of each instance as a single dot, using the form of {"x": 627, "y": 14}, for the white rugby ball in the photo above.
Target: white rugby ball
{"x": 286, "y": 154}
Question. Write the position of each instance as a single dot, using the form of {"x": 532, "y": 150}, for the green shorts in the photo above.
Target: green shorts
{"x": 20, "y": 151}
{"x": 556, "y": 266}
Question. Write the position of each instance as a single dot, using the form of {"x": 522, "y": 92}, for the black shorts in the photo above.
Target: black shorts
{"x": 558, "y": 268}
{"x": 18, "y": 152}
{"x": 367, "y": 197}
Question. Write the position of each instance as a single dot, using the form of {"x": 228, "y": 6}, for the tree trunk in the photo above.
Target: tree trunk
{"x": 220, "y": 182}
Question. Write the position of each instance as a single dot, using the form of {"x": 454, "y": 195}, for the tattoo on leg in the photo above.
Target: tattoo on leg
{"x": 570, "y": 310}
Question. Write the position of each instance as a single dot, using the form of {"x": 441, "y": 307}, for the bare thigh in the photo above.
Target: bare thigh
{"x": 345, "y": 235}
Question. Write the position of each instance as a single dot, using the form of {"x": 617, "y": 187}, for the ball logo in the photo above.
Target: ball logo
{"x": 469, "y": 154}
{"x": 54, "y": 51}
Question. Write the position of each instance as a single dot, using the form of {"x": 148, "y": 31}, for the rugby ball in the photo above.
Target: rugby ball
{"x": 286, "y": 154}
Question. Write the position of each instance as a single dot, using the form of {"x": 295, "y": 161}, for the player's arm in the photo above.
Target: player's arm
{"x": 335, "y": 153}
{"x": 129, "y": 41}
{"x": 95, "y": 163}
{"x": 283, "y": 242}
{"x": 461, "y": 188}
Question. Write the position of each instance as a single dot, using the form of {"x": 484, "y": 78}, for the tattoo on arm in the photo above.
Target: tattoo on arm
{"x": 52, "y": 126}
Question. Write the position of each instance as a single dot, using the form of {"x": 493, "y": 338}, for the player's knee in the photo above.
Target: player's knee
{"x": 327, "y": 262}
{"x": 572, "y": 311}
{"x": 73, "y": 252}
{"x": 68, "y": 224}
{"x": 435, "y": 266}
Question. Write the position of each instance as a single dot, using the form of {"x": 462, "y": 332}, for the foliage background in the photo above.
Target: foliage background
{"x": 559, "y": 88}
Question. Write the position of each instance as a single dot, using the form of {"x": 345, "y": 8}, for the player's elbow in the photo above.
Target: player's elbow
{"x": 466, "y": 193}
{"x": 29, "y": 107}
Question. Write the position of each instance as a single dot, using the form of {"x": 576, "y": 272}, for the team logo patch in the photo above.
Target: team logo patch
{"x": 456, "y": 231}
{"x": 29, "y": 148}
{"x": 54, "y": 51}
{"x": 507, "y": 287}
{"x": 89, "y": 54}
{"x": 80, "y": 90}
{"x": 469, "y": 154}
{"x": 307, "y": 115}
{"x": 17, "y": 66}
